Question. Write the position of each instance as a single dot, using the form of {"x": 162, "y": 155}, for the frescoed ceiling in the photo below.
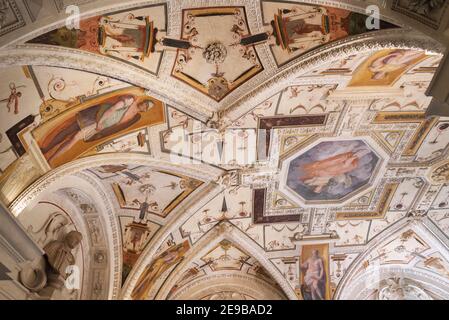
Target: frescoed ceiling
{"x": 209, "y": 70}
{"x": 224, "y": 150}
{"x": 126, "y": 35}
{"x": 225, "y": 260}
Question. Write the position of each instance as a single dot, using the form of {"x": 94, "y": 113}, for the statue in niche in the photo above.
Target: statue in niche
{"x": 47, "y": 276}
{"x": 59, "y": 252}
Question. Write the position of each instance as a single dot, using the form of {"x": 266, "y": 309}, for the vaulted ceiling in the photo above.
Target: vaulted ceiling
{"x": 219, "y": 149}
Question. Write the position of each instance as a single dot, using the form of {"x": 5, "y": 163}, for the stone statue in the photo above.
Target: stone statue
{"x": 402, "y": 289}
{"x": 59, "y": 252}
{"x": 45, "y": 276}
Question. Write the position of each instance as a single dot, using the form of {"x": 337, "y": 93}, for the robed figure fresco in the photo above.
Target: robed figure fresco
{"x": 297, "y": 28}
{"x": 94, "y": 123}
{"x": 161, "y": 264}
{"x": 314, "y": 286}
{"x": 125, "y": 36}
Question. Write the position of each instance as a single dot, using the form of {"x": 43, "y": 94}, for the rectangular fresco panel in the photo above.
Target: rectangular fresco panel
{"x": 315, "y": 283}
{"x": 96, "y": 121}
{"x": 301, "y": 27}
{"x": 136, "y": 234}
{"x": 160, "y": 265}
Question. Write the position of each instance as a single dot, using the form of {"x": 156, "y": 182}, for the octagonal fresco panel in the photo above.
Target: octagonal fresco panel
{"x": 332, "y": 170}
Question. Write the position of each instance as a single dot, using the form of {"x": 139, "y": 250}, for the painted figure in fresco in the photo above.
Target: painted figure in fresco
{"x": 301, "y": 26}
{"x": 331, "y": 170}
{"x": 96, "y": 122}
{"x": 127, "y": 37}
{"x": 296, "y": 29}
{"x": 315, "y": 276}
{"x": 396, "y": 60}
{"x": 129, "y": 33}
{"x": 321, "y": 173}
{"x": 162, "y": 263}
{"x": 135, "y": 236}
{"x": 12, "y": 102}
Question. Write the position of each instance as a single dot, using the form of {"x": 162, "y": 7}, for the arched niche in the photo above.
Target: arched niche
{"x": 375, "y": 282}
{"x": 71, "y": 183}
{"x": 162, "y": 288}
{"x": 409, "y": 253}
{"x": 75, "y": 203}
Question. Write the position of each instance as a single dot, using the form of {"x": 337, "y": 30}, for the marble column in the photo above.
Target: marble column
{"x": 14, "y": 235}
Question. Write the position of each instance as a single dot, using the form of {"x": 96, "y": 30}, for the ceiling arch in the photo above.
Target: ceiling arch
{"x": 425, "y": 280}
{"x": 223, "y": 232}
{"x": 219, "y": 287}
{"x": 81, "y": 174}
{"x": 337, "y": 50}
{"x": 86, "y": 204}
{"x": 190, "y": 100}
{"x": 77, "y": 166}
{"x": 32, "y": 54}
